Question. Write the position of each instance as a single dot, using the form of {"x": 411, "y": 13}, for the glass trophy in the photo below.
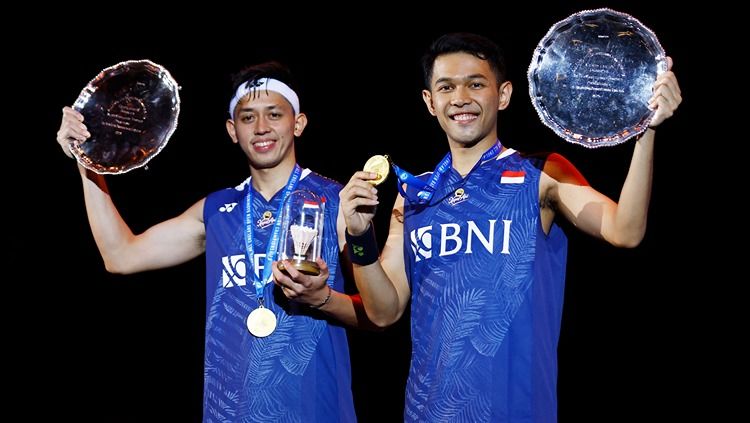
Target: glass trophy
{"x": 591, "y": 77}
{"x": 302, "y": 231}
{"x": 131, "y": 110}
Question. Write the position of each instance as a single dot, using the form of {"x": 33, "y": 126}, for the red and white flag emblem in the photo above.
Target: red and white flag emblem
{"x": 512, "y": 177}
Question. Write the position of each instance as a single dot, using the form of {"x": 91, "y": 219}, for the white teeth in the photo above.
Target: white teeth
{"x": 263, "y": 144}
{"x": 464, "y": 117}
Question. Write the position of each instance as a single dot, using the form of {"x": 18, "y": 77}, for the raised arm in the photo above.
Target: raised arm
{"x": 383, "y": 284}
{"x": 169, "y": 243}
{"x": 563, "y": 189}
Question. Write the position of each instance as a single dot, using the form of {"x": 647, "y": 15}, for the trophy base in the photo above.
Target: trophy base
{"x": 303, "y": 266}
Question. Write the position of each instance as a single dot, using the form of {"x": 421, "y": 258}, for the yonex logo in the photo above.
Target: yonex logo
{"x": 226, "y": 208}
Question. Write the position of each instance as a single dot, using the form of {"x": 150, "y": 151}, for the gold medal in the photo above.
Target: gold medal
{"x": 261, "y": 322}
{"x": 380, "y": 165}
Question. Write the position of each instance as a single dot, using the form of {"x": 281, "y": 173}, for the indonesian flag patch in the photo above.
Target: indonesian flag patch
{"x": 512, "y": 177}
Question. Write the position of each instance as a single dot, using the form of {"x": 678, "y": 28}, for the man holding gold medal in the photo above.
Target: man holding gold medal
{"x": 474, "y": 248}
{"x": 266, "y": 358}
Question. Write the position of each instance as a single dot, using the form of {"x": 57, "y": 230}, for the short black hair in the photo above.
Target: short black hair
{"x": 251, "y": 74}
{"x": 464, "y": 42}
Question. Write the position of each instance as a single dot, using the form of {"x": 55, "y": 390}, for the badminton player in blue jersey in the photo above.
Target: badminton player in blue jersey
{"x": 291, "y": 361}
{"x": 474, "y": 246}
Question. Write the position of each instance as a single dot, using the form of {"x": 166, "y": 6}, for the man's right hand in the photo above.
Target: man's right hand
{"x": 71, "y": 130}
{"x": 358, "y": 201}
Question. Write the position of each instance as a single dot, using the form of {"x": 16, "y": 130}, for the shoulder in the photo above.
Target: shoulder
{"x": 224, "y": 199}
{"x": 562, "y": 170}
{"x": 554, "y": 166}
{"x": 320, "y": 183}
{"x": 537, "y": 160}
{"x": 229, "y": 193}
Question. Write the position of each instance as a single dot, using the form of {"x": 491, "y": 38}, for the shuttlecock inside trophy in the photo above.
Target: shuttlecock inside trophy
{"x": 303, "y": 237}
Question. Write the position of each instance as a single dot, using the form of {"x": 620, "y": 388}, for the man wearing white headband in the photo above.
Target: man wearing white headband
{"x": 267, "y": 355}
{"x": 264, "y": 84}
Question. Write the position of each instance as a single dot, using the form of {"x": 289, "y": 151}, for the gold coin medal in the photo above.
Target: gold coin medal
{"x": 380, "y": 165}
{"x": 261, "y": 322}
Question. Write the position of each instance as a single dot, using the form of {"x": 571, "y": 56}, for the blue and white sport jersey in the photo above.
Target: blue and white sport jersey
{"x": 487, "y": 290}
{"x": 299, "y": 373}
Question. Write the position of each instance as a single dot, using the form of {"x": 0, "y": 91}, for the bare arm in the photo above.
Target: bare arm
{"x": 623, "y": 224}
{"x": 383, "y": 285}
{"x": 169, "y": 243}
{"x": 565, "y": 191}
{"x": 314, "y": 292}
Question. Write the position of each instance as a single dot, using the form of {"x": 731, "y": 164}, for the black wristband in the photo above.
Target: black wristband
{"x": 363, "y": 249}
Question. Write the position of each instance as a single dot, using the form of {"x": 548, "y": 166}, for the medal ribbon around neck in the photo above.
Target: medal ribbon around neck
{"x": 427, "y": 189}
{"x": 273, "y": 242}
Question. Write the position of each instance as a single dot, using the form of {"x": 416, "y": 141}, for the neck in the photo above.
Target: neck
{"x": 464, "y": 157}
{"x": 269, "y": 181}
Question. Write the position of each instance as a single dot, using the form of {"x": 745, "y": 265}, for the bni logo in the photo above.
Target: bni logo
{"x": 461, "y": 238}
{"x": 421, "y": 243}
{"x": 234, "y": 269}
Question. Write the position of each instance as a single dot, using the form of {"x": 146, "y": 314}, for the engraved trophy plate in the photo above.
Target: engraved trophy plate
{"x": 591, "y": 77}
{"x": 131, "y": 110}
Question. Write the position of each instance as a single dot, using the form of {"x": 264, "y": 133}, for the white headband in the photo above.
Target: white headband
{"x": 268, "y": 84}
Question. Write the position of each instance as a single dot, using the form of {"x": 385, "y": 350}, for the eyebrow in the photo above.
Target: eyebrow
{"x": 267, "y": 108}
{"x": 465, "y": 79}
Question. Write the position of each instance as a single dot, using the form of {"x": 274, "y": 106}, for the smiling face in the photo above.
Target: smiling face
{"x": 264, "y": 126}
{"x": 465, "y": 97}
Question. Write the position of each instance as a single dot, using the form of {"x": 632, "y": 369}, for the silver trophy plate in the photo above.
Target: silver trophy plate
{"x": 592, "y": 75}
{"x": 131, "y": 110}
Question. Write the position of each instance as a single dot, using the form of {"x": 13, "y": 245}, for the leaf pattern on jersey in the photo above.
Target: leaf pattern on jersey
{"x": 222, "y": 411}
{"x": 452, "y": 358}
{"x": 461, "y": 312}
{"x": 462, "y": 403}
{"x": 417, "y": 393}
{"x": 304, "y": 340}
{"x": 250, "y": 379}
{"x": 508, "y": 294}
{"x": 226, "y": 317}
{"x": 266, "y": 393}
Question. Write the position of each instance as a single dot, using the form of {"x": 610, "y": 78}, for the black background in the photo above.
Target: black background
{"x": 130, "y": 348}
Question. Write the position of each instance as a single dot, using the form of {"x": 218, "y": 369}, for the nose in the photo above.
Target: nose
{"x": 261, "y": 126}
{"x": 460, "y": 96}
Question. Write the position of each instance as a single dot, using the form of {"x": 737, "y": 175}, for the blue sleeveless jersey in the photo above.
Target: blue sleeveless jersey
{"x": 487, "y": 290}
{"x": 299, "y": 373}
